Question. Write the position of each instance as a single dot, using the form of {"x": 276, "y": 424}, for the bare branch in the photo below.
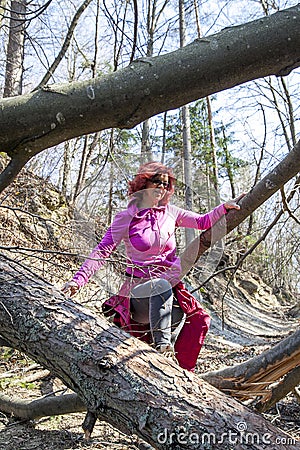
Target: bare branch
{"x": 135, "y": 32}
{"x": 42, "y": 407}
{"x": 286, "y": 206}
{"x": 65, "y": 45}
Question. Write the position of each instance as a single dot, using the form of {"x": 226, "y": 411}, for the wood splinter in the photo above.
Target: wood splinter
{"x": 88, "y": 424}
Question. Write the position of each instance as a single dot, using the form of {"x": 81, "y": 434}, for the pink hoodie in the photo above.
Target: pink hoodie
{"x": 149, "y": 237}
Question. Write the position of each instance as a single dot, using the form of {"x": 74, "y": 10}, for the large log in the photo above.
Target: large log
{"x": 263, "y": 190}
{"x": 122, "y": 380}
{"x": 148, "y": 86}
{"x": 252, "y": 379}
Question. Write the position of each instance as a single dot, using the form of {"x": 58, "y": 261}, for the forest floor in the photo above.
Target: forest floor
{"x": 248, "y": 331}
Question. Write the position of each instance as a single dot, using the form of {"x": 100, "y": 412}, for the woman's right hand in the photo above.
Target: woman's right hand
{"x": 70, "y": 288}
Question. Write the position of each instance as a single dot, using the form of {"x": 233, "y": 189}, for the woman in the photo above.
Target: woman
{"x": 153, "y": 303}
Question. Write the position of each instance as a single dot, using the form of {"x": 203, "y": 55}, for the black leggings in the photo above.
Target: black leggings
{"x": 153, "y": 302}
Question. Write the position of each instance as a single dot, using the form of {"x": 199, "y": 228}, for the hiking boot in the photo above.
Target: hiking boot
{"x": 165, "y": 349}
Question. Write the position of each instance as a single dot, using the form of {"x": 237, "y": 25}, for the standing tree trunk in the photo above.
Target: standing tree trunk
{"x": 271, "y": 183}
{"x": 228, "y": 165}
{"x": 66, "y": 169}
{"x": 15, "y": 49}
{"x": 2, "y": 9}
{"x": 213, "y": 153}
{"x": 65, "y": 46}
{"x": 186, "y": 134}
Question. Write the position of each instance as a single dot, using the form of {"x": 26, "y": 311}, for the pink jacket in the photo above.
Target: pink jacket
{"x": 149, "y": 237}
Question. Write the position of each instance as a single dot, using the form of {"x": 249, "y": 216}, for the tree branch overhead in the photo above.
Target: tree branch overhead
{"x": 148, "y": 86}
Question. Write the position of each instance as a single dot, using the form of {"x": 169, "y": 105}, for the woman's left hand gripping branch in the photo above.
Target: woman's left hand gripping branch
{"x": 233, "y": 204}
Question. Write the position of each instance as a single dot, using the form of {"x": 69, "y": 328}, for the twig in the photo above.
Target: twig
{"x": 4, "y": 307}
{"x": 286, "y": 206}
{"x": 213, "y": 275}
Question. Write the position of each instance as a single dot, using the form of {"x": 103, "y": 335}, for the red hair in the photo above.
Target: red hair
{"x": 148, "y": 171}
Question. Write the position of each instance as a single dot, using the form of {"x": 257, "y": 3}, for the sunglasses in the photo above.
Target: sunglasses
{"x": 159, "y": 182}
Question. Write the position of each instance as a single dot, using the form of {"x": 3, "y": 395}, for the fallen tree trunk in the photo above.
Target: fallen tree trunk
{"x": 253, "y": 378}
{"x": 122, "y": 380}
{"x": 147, "y": 87}
{"x": 41, "y": 407}
{"x": 287, "y": 385}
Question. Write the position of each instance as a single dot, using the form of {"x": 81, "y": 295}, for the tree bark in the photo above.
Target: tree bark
{"x": 148, "y": 86}
{"x": 122, "y": 380}
{"x": 115, "y": 374}
{"x": 146, "y": 152}
{"x": 2, "y": 11}
{"x": 269, "y": 376}
{"x": 213, "y": 153}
